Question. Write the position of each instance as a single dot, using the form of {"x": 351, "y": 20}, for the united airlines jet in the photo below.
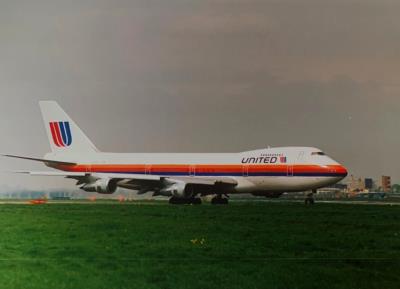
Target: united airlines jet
{"x": 183, "y": 177}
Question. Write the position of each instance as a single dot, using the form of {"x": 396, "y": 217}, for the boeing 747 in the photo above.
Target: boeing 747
{"x": 183, "y": 177}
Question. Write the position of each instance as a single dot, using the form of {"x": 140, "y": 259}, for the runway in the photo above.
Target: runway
{"x": 163, "y": 202}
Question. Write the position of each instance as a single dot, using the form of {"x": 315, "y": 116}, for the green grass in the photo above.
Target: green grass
{"x": 246, "y": 245}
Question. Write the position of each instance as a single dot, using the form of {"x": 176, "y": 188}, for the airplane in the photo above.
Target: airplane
{"x": 183, "y": 177}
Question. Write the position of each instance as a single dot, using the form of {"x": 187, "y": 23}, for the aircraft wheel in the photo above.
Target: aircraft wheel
{"x": 219, "y": 201}
{"x": 177, "y": 201}
{"x": 172, "y": 201}
{"x": 309, "y": 201}
{"x": 184, "y": 201}
{"x": 195, "y": 201}
{"x": 310, "y": 198}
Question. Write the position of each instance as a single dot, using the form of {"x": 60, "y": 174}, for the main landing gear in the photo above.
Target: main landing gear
{"x": 185, "y": 201}
{"x": 219, "y": 200}
{"x": 310, "y": 198}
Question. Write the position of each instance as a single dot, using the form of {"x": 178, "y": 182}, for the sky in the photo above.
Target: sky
{"x": 204, "y": 76}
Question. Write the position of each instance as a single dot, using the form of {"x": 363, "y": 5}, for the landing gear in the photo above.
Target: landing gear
{"x": 185, "y": 201}
{"x": 219, "y": 200}
{"x": 310, "y": 198}
{"x": 177, "y": 201}
{"x": 195, "y": 201}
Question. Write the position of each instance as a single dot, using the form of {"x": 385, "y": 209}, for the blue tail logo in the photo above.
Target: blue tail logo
{"x": 61, "y": 132}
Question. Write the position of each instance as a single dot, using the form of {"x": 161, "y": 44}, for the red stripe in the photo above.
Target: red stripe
{"x": 58, "y": 133}
{"x": 54, "y": 134}
{"x": 204, "y": 168}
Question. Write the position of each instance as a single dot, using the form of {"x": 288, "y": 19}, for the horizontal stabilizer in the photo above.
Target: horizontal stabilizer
{"x": 39, "y": 160}
{"x": 50, "y": 173}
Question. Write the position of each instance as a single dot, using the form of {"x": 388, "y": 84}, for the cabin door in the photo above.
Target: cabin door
{"x": 245, "y": 170}
{"x": 88, "y": 168}
{"x": 192, "y": 171}
{"x": 290, "y": 172}
{"x": 147, "y": 170}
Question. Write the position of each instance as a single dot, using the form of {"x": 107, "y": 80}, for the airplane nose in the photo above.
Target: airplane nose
{"x": 343, "y": 171}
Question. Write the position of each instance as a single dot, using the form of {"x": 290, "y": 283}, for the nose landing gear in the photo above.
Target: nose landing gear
{"x": 310, "y": 198}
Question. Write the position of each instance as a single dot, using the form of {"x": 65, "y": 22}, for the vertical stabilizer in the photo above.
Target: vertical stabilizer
{"x": 63, "y": 133}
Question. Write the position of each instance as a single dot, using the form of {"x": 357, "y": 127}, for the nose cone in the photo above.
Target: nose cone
{"x": 343, "y": 171}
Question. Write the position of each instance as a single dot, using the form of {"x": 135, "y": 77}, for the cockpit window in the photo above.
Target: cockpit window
{"x": 318, "y": 153}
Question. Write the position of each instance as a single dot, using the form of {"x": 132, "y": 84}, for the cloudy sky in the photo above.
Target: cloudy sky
{"x": 204, "y": 76}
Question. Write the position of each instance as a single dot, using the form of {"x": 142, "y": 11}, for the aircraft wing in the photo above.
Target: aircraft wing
{"x": 142, "y": 183}
{"x": 208, "y": 180}
{"x": 156, "y": 184}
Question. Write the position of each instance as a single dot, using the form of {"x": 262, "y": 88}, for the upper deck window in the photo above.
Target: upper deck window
{"x": 318, "y": 154}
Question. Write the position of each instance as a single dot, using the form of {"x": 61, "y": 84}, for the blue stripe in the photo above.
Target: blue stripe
{"x": 68, "y": 132}
{"x": 62, "y": 130}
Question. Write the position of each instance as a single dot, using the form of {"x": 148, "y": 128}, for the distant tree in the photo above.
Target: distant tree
{"x": 396, "y": 188}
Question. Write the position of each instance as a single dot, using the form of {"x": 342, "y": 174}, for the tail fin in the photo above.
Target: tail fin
{"x": 63, "y": 133}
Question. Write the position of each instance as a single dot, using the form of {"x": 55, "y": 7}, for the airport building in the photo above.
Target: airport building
{"x": 369, "y": 184}
{"x": 59, "y": 196}
{"x": 386, "y": 184}
{"x": 355, "y": 185}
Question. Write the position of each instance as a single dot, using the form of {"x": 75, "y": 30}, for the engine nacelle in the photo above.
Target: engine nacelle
{"x": 177, "y": 189}
{"x": 101, "y": 186}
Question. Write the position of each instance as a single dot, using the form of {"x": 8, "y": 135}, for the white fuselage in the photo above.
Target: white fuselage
{"x": 266, "y": 172}
{"x": 273, "y": 170}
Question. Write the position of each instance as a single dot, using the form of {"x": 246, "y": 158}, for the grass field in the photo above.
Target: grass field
{"x": 243, "y": 245}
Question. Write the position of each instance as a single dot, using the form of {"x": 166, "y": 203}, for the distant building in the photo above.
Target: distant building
{"x": 340, "y": 186}
{"x": 369, "y": 184}
{"x": 386, "y": 184}
{"x": 355, "y": 185}
{"x": 59, "y": 196}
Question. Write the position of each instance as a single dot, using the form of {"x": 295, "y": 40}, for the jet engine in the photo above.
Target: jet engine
{"x": 101, "y": 186}
{"x": 176, "y": 189}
